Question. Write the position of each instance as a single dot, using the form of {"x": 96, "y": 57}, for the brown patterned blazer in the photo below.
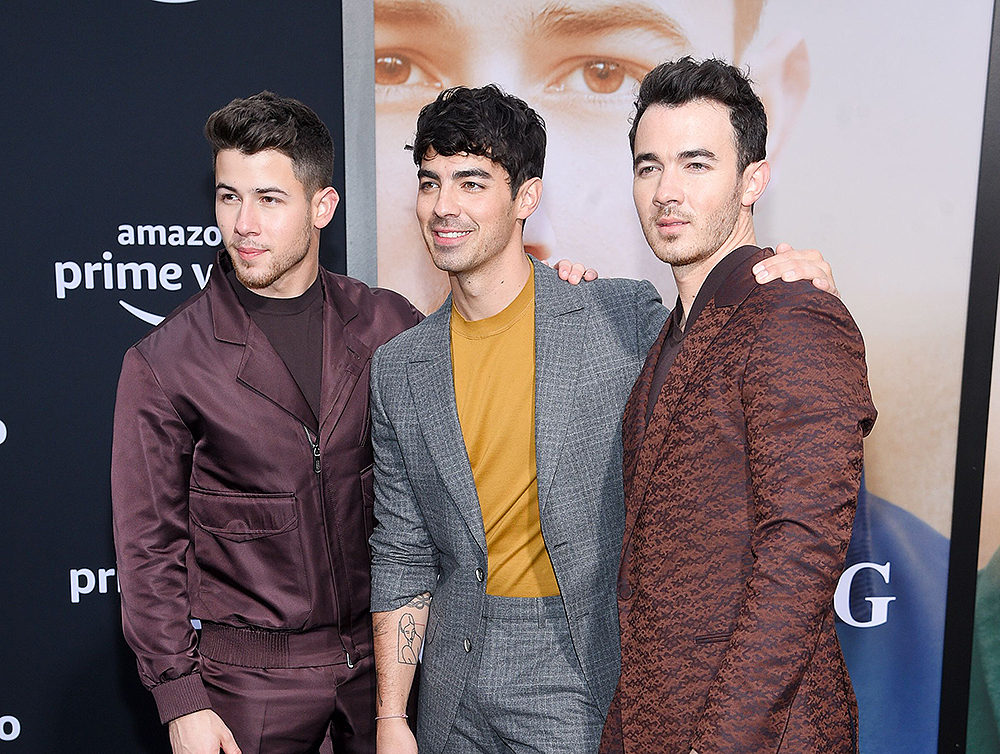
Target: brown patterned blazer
{"x": 739, "y": 499}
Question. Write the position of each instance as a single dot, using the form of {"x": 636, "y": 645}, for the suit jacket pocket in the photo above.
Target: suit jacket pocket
{"x": 248, "y": 553}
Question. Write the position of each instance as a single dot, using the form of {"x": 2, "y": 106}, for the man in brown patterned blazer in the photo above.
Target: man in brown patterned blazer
{"x": 742, "y": 455}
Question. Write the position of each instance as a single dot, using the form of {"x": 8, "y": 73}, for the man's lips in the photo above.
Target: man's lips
{"x": 671, "y": 224}
{"x": 447, "y": 236}
{"x": 249, "y": 252}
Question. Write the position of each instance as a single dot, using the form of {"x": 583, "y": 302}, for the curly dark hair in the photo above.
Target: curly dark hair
{"x": 267, "y": 121}
{"x": 486, "y": 122}
{"x": 685, "y": 80}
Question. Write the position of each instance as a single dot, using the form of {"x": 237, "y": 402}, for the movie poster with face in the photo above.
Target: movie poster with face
{"x": 875, "y": 115}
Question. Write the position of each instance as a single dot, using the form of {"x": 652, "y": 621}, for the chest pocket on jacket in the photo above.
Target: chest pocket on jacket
{"x": 248, "y": 553}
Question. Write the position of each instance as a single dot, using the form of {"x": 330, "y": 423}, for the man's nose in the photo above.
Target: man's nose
{"x": 446, "y": 204}
{"x": 669, "y": 189}
{"x": 247, "y": 221}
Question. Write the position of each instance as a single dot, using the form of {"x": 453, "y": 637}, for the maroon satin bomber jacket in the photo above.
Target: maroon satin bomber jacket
{"x": 227, "y": 508}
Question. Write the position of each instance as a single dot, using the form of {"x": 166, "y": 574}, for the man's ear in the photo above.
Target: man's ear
{"x": 780, "y": 71}
{"x": 755, "y": 179}
{"x": 324, "y": 204}
{"x": 528, "y": 197}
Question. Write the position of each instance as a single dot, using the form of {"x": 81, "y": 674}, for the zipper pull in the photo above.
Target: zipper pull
{"x": 314, "y": 444}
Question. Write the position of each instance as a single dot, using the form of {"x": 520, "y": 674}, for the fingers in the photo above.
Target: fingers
{"x": 229, "y": 743}
{"x": 790, "y": 265}
{"x": 574, "y": 272}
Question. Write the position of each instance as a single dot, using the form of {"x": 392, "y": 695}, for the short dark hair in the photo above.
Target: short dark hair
{"x": 686, "y": 80}
{"x": 267, "y": 121}
{"x": 486, "y": 122}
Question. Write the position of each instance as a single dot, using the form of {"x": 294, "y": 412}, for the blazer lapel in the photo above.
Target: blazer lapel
{"x": 560, "y": 330}
{"x": 634, "y": 420}
{"x": 707, "y": 328}
{"x": 432, "y": 385}
{"x": 708, "y": 325}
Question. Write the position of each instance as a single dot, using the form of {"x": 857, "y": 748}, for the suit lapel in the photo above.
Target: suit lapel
{"x": 696, "y": 344}
{"x": 432, "y": 385}
{"x": 648, "y": 446}
{"x": 560, "y": 330}
{"x": 634, "y": 420}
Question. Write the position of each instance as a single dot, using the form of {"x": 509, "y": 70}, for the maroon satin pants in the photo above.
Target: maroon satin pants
{"x": 292, "y": 710}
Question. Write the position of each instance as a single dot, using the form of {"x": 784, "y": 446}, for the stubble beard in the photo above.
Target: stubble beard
{"x": 717, "y": 227}
{"x": 258, "y": 277}
{"x": 478, "y": 248}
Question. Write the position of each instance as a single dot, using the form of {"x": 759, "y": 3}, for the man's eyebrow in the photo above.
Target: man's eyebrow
{"x": 471, "y": 173}
{"x": 704, "y": 154}
{"x": 561, "y": 19}
{"x": 645, "y": 157}
{"x": 425, "y": 173}
{"x": 220, "y": 186}
{"x": 413, "y": 13}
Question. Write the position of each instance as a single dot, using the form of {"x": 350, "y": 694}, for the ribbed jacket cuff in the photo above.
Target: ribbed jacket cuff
{"x": 180, "y": 697}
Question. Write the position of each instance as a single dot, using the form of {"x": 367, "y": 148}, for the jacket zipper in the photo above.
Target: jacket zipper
{"x": 314, "y": 444}
{"x": 317, "y": 468}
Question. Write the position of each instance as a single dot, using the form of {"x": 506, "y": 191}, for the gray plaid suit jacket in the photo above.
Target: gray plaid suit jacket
{"x": 590, "y": 344}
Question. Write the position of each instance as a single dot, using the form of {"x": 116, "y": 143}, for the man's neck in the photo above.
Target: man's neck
{"x": 490, "y": 288}
{"x": 690, "y": 277}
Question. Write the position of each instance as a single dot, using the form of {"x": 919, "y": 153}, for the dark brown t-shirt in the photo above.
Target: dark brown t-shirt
{"x": 294, "y": 328}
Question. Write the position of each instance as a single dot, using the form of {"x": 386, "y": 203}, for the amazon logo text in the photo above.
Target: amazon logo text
{"x": 111, "y": 274}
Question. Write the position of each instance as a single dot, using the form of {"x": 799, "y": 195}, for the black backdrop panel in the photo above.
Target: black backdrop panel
{"x": 103, "y": 109}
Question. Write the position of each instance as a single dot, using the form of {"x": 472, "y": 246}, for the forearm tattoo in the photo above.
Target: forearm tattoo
{"x": 410, "y": 632}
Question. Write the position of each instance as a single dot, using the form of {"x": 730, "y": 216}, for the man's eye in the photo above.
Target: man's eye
{"x": 597, "y": 76}
{"x": 397, "y": 69}
{"x": 603, "y": 76}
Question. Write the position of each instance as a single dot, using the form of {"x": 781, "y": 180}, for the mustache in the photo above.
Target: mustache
{"x": 447, "y": 225}
{"x": 672, "y": 213}
{"x": 236, "y": 241}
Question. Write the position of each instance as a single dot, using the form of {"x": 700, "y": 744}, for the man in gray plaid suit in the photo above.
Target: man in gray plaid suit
{"x": 496, "y": 425}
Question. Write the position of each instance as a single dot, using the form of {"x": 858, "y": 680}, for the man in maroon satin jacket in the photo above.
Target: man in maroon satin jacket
{"x": 242, "y": 464}
{"x": 742, "y": 455}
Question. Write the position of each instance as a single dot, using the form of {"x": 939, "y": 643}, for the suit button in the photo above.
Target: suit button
{"x": 480, "y": 575}
{"x": 624, "y": 590}
{"x": 468, "y": 645}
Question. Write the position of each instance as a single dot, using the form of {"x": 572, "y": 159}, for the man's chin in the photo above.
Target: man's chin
{"x": 252, "y": 282}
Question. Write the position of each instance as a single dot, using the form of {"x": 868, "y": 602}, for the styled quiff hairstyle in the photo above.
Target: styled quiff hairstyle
{"x": 486, "y": 122}
{"x": 685, "y": 80}
{"x": 267, "y": 121}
